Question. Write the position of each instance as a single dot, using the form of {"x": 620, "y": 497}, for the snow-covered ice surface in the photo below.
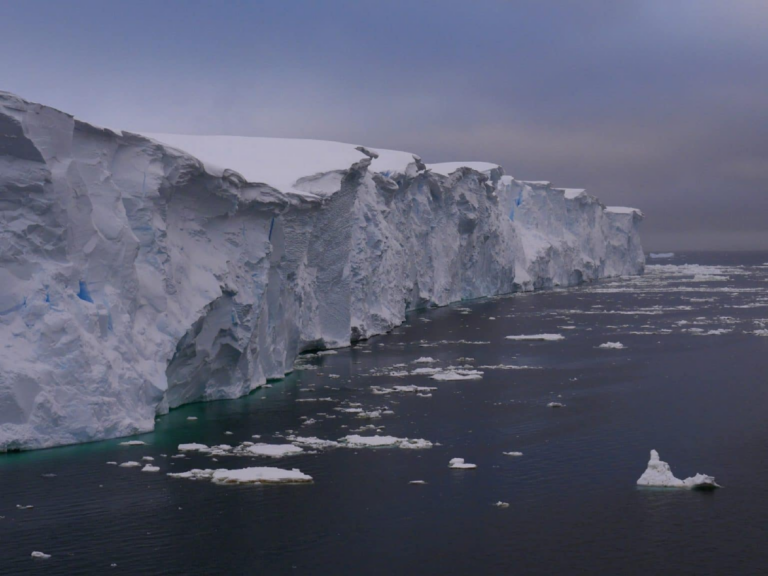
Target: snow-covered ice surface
{"x": 660, "y": 474}
{"x": 141, "y": 274}
{"x": 460, "y": 464}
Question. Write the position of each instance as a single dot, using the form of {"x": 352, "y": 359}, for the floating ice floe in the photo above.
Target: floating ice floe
{"x": 402, "y": 389}
{"x": 133, "y": 443}
{"x": 612, "y": 346}
{"x": 555, "y": 405}
{"x": 715, "y": 332}
{"x": 356, "y": 441}
{"x": 660, "y": 255}
{"x": 760, "y": 332}
{"x": 659, "y": 474}
{"x": 24, "y": 506}
{"x": 312, "y": 442}
{"x": 130, "y": 464}
{"x": 191, "y": 417}
{"x": 148, "y": 458}
{"x": 512, "y": 453}
{"x": 459, "y": 464}
{"x": 257, "y": 475}
{"x": 537, "y": 337}
{"x": 418, "y": 482}
{"x": 273, "y": 450}
{"x": 459, "y": 374}
{"x": 501, "y": 504}
{"x": 426, "y": 371}
{"x": 424, "y": 360}
{"x": 150, "y": 468}
{"x": 40, "y": 555}
{"x": 193, "y": 447}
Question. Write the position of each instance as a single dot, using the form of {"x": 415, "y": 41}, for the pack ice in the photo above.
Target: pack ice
{"x": 139, "y": 272}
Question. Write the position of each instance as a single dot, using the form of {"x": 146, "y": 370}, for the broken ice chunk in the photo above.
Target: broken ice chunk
{"x": 660, "y": 474}
{"x": 459, "y": 464}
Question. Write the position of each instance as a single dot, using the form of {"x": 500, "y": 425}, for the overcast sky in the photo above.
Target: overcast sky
{"x": 661, "y": 105}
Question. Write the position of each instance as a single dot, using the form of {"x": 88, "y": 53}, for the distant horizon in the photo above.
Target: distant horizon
{"x": 656, "y": 105}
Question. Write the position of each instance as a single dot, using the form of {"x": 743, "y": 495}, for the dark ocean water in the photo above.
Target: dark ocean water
{"x": 700, "y": 399}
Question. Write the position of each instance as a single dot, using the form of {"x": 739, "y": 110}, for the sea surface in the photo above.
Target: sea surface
{"x": 690, "y": 382}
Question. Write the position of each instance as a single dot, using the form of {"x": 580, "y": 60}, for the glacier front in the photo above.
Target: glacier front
{"x": 142, "y": 272}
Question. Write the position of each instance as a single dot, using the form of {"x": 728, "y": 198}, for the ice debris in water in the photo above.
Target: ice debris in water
{"x": 257, "y": 475}
{"x": 356, "y": 441}
{"x": 659, "y": 473}
{"x": 40, "y": 555}
{"x": 133, "y": 443}
{"x": 274, "y": 450}
{"x": 537, "y": 337}
{"x": 459, "y": 464}
{"x": 457, "y": 374}
{"x": 512, "y": 453}
{"x": 501, "y": 504}
{"x": 150, "y": 468}
{"x": 612, "y": 346}
{"x": 424, "y": 360}
{"x": 193, "y": 447}
{"x": 661, "y": 255}
{"x": 419, "y": 482}
{"x": 130, "y": 464}
{"x": 403, "y": 389}
{"x": 555, "y": 405}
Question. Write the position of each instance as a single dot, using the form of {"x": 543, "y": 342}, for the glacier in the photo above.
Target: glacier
{"x": 140, "y": 272}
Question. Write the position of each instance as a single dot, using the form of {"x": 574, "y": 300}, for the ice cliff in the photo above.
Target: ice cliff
{"x": 141, "y": 273}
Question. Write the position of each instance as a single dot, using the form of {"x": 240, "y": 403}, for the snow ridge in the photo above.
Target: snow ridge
{"x": 137, "y": 277}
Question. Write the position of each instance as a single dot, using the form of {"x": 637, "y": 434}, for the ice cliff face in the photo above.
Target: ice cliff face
{"x": 136, "y": 277}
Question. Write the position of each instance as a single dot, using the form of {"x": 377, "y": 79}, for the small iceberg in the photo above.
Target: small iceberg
{"x": 501, "y": 504}
{"x": 40, "y": 555}
{"x": 133, "y": 443}
{"x": 130, "y": 464}
{"x": 660, "y": 474}
{"x": 459, "y": 464}
{"x": 538, "y": 337}
{"x": 612, "y": 346}
{"x": 417, "y": 482}
{"x": 150, "y": 468}
{"x": 512, "y": 453}
{"x": 555, "y": 405}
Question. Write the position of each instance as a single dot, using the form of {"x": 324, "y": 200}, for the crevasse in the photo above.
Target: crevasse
{"x": 138, "y": 274}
